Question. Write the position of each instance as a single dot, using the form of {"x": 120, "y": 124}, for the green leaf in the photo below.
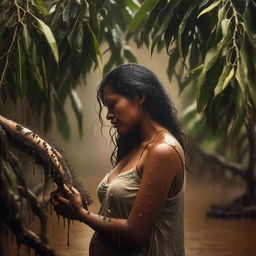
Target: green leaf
{"x": 117, "y": 36}
{"x": 191, "y": 76}
{"x": 192, "y": 120}
{"x": 209, "y": 8}
{"x": 94, "y": 48}
{"x": 225, "y": 77}
{"x": 40, "y": 6}
{"x": 26, "y": 39}
{"x": 173, "y": 59}
{"x": 49, "y": 38}
{"x": 141, "y": 14}
{"x": 183, "y": 25}
{"x": 210, "y": 59}
{"x": 109, "y": 64}
{"x": 221, "y": 15}
{"x": 77, "y": 107}
{"x": 164, "y": 19}
{"x": 62, "y": 121}
{"x": 129, "y": 55}
{"x": 247, "y": 24}
{"x": 189, "y": 113}
{"x": 133, "y": 4}
{"x": 242, "y": 74}
{"x": 44, "y": 76}
{"x": 34, "y": 63}
{"x": 152, "y": 19}
{"x": 21, "y": 71}
{"x": 239, "y": 99}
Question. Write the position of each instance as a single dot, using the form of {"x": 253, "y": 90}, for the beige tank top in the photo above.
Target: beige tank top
{"x": 117, "y": 198}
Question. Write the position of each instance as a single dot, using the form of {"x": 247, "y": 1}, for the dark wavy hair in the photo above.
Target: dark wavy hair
{"x": 132, "y": 80}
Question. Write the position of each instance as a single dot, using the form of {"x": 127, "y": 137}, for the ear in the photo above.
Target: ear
{"x": 139, "y": 99}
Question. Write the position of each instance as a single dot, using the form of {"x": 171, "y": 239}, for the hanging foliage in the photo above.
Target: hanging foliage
{"x": 217, "y": 43}
{"x": 47, "y": 45}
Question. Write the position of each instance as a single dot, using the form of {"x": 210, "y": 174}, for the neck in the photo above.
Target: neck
{"x": 148, "y": 128}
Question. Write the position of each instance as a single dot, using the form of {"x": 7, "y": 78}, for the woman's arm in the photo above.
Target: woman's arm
{"x": 161, "y": 166}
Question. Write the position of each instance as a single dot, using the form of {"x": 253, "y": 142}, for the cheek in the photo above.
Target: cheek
{"x": 130, "y": 115}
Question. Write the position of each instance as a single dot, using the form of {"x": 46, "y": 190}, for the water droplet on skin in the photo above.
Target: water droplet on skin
{"x": 149, "y": 183}
{"x": 146, "y": 211}
{"x": 149, "y": 203}
{"x": 140, "y": 215}
{"x": 146, "y": 194}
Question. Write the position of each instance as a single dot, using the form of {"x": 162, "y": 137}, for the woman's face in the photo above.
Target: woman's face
{"x": 123, "y": 113}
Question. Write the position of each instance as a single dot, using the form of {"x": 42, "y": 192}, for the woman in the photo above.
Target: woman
{"x": 142, "y": 197}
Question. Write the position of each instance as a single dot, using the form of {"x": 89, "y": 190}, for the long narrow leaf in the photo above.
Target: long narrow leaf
{"x": 49, "y": 38}
{"x": 141, "y": 14}
{"x": 77, "y": 107}
{"x": 225, "y": 77}
{"x": 209, "y": 8}
{"x": 183, "y": 25}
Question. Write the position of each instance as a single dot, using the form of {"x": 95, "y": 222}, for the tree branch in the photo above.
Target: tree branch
{"x": 235, "y": 168}
{"x": 45, "y": 154}
{"x": 10, "y": 214}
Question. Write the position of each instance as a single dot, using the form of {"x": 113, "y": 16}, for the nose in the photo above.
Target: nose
{"x": 109, "y": 115}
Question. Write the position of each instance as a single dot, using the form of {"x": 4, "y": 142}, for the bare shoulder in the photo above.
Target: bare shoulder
{"x": 166, "y": 145}
{"x": 166, "y": 150}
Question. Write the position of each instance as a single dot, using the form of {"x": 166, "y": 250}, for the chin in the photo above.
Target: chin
{"x": 123, "y": 132}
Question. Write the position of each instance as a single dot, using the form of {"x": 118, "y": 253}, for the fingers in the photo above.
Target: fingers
{"x": 70, "y": 189}
{"x": 53, "y": 201}
{"x": 57, "y": 198}
{"x": 74, "y": 191}
{"x": 62, "y": 199}
{"x": 67, "y": 189}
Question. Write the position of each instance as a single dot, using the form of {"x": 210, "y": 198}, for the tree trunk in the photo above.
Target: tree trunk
{"x": 251, "y": 169}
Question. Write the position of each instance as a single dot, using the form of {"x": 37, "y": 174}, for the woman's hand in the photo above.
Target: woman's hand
{"x": 69, "y": 208}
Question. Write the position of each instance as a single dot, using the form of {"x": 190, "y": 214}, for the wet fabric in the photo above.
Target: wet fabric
{"x": 117, "y": 198}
